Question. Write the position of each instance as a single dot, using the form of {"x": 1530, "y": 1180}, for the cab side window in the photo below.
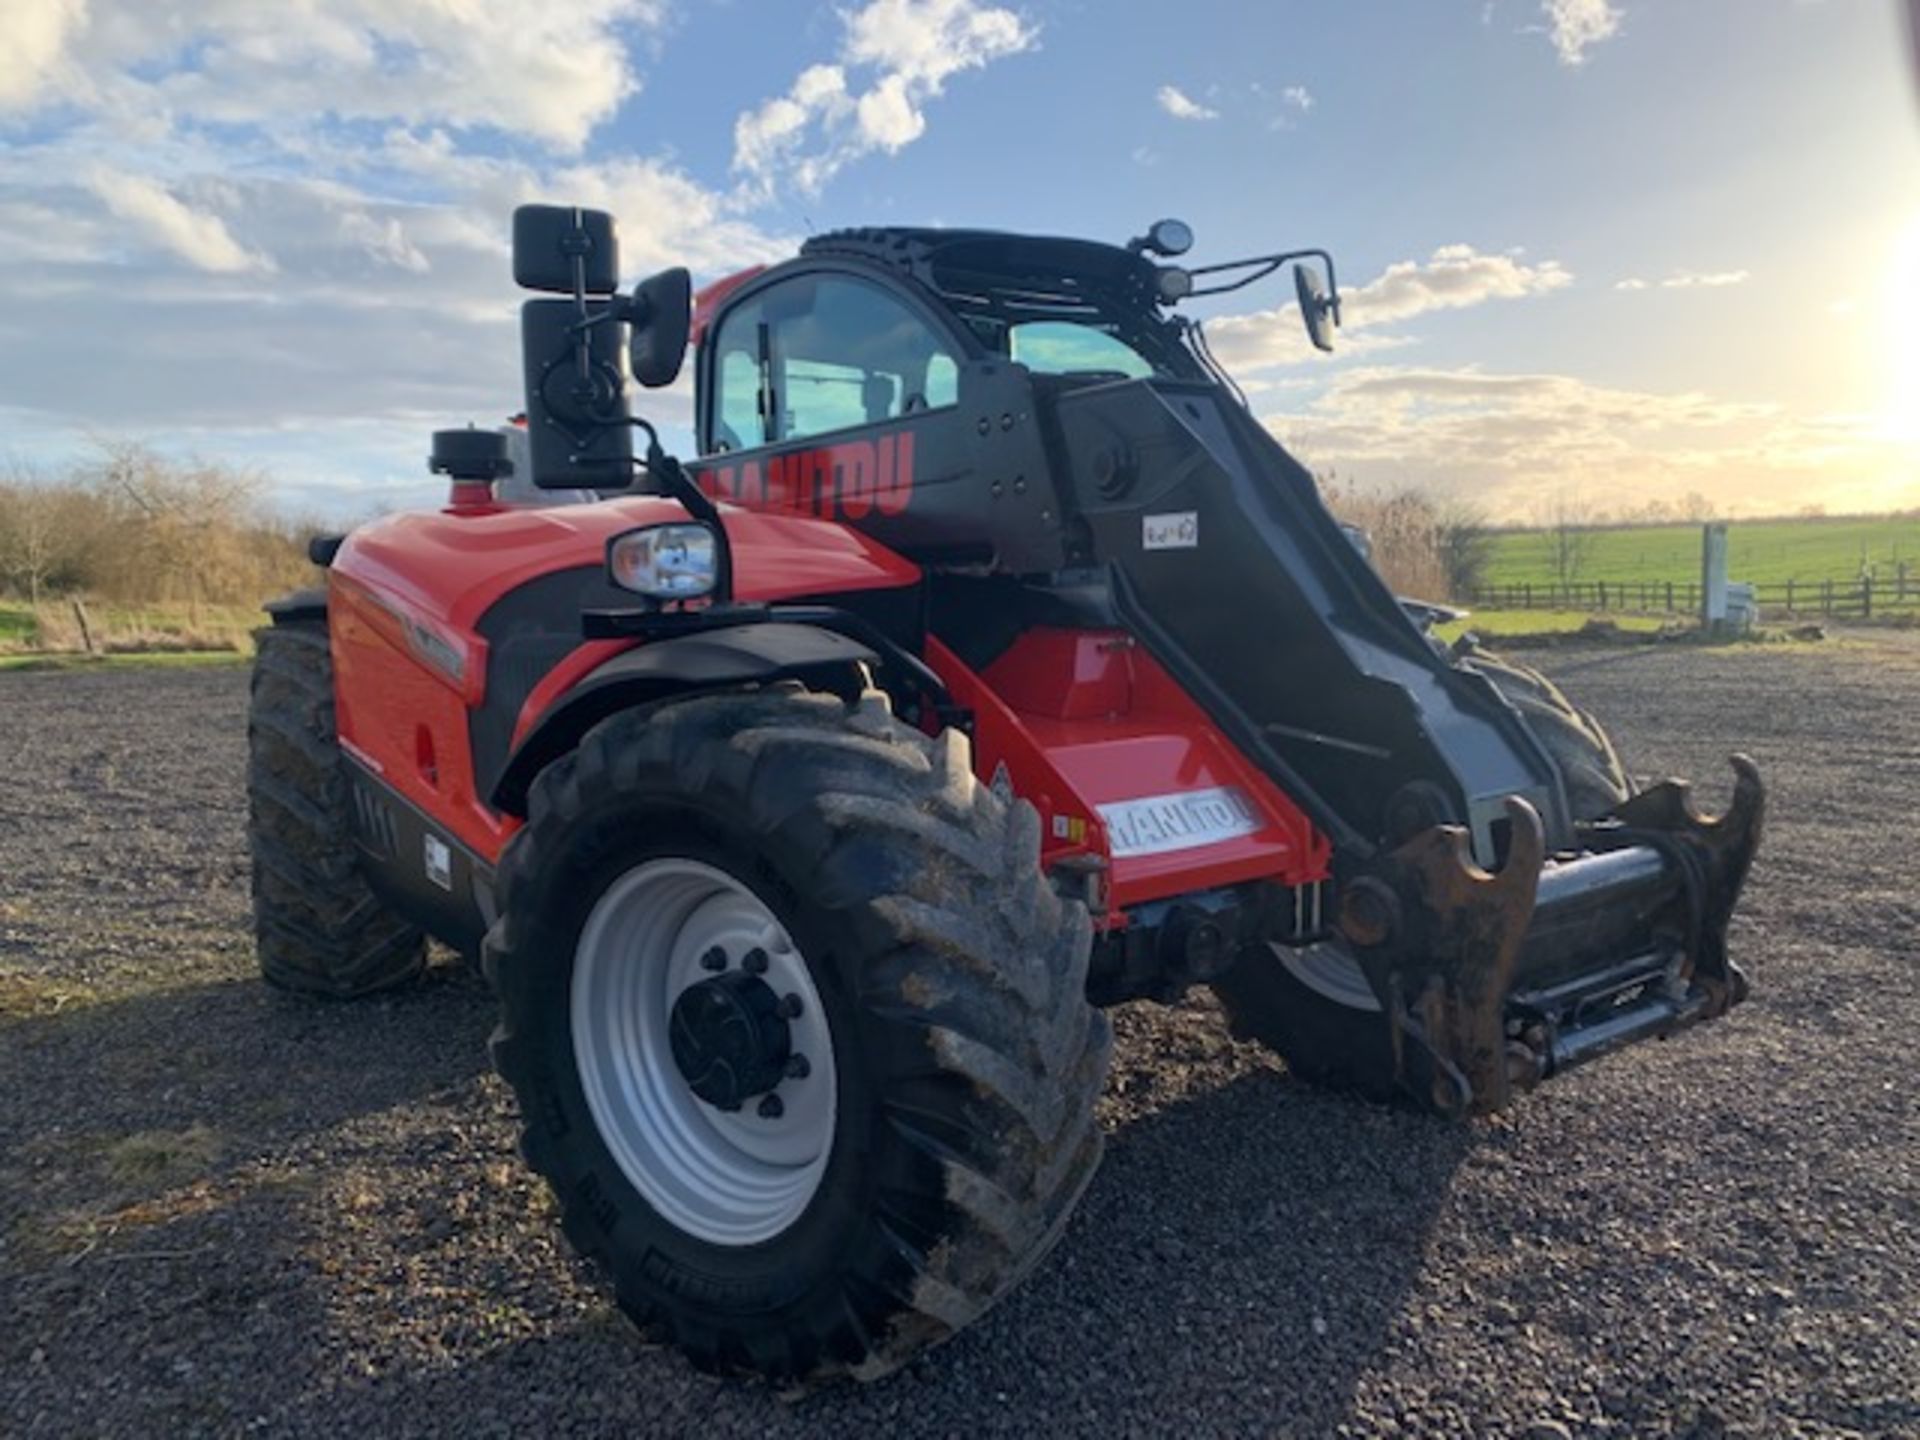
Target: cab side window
{"x": 737, "y": 420}
{"x": 821, "y": 353}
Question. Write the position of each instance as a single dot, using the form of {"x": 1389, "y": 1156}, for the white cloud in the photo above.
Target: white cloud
{"x": 37, "y": 34}
{"x": 526, "y": 68}
{"x": 209, "y": 179}
{"x": 1297, "y": 97}
{"x": 1499, "y": 438}
{"x": 1455, "y": 277}
{"x": 1715, "y": 280}
{"x": 1577, "y": 25}
{"x": 909, "y": 49}
{"x": 1180, "y": 106}
{"x": 1688, "y": 280}
{"x": 384, "y": 241}
{"x": 199, "y": 238}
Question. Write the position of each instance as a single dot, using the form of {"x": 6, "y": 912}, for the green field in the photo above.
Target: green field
{"x": 1765, "y": 552}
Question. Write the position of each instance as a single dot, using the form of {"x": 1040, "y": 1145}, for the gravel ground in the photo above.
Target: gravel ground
{"x": 224, "y": 1210}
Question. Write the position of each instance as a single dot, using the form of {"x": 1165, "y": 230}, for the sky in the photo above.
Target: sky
{"x": 1606, "y": 251}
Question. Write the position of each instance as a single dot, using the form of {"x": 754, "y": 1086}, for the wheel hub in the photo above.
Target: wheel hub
{"x": 704, "y": 1050}
{"x": 730, "y": 1038}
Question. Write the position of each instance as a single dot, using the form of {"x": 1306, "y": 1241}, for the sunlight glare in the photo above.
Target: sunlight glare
{"x": 1901, "y": 318}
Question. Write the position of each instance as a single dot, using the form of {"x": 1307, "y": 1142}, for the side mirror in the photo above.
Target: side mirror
{"x": 579, "y": 436}
{"x": 1317, "y": 308}
{"x": 661, "y": 316}
{"x": 564, "y": 250}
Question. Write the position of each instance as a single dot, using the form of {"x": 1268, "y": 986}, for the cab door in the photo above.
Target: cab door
{"x": 834, "y": 393}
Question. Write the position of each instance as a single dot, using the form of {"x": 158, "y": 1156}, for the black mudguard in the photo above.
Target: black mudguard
{"x": 719, "y": 659}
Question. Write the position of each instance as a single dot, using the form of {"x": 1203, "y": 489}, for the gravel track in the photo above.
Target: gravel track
{"x": 224, "y": 1210}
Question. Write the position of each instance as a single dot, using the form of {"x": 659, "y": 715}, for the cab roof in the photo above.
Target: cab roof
{"x": 930, "y": 253}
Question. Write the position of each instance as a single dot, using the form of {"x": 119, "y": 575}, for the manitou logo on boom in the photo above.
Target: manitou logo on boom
{"x": 848, "y": 481}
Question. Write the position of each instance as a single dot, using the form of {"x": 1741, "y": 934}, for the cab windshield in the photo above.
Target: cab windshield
{"x": 1067, "y": 347}
{"x": 1060, "y": 307}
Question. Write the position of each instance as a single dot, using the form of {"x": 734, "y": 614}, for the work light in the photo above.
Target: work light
{"x": 668, "y": 562}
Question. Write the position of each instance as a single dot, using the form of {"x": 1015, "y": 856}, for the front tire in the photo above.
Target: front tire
{"x": 944, "y": 1127}
{"x": 1312, "y": 1005}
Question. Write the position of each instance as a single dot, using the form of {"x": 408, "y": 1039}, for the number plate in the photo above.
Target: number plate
{"x": 1157, "y": 824}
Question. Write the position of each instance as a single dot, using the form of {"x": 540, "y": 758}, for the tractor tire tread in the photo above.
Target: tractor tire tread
{"x": 973, "y": 965}
{"x": 319, "y": 926}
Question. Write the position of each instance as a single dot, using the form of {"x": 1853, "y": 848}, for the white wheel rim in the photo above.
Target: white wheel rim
{"x": 1329, "y": 971}
{"x": 728, "y": 1178}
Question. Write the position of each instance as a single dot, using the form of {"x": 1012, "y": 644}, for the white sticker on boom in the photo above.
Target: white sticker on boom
{"x": 439, "y": 862}
{"x": 1155, "y": 824}
{"x": 1176, "y": 530}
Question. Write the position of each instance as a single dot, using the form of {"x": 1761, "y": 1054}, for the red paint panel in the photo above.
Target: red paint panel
{"x": 1047, "y": 709}
{"x": 450, "y": 568}
{"x": 1066, "y": 674}
{"x": 392, "y": 709}
{"x": 406, "y": 592}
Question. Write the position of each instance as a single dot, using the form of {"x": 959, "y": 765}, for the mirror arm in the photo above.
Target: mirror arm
{"x": 1266, "y": 265}
{"x": 587, "y": 321}
{"x": 576, "y": 245}
{"x": 695, "y": 501}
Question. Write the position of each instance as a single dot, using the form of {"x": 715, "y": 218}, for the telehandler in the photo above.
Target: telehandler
{"x": 808, "y": 800}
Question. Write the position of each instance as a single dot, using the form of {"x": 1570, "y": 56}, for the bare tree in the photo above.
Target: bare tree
{"x": 1569, "y": 527}
{"x": 1696, "y": 507}
{"x": 32, "y": 522}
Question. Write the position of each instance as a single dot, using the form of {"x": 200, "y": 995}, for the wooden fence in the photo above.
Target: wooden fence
{"x": 1862, "y": 598}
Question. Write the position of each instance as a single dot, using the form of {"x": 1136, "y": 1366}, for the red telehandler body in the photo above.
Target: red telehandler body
{"x": 806, "y": 802}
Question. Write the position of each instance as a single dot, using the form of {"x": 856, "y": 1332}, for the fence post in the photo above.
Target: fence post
{"x": 1789, "y": 595}
{"x": 1866, "y": 597}
{"x": 86, "y": 625}
{"x": 1528, "y": 588}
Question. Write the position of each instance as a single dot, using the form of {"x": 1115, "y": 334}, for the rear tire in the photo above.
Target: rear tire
{"x": 1589, "y": 766}
{"x": 1313, "y": 1006}
{"x": 320, "y": 928}
{"x": 906, "y": 901}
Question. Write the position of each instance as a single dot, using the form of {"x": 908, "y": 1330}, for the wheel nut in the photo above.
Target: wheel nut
{"x": 714, "y": 959}
{"x": 771, "y": 1108}
{"x": 755, "y": 962}
{"x": 798, "y": 1067}
{"x": 791, "y": 1007}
